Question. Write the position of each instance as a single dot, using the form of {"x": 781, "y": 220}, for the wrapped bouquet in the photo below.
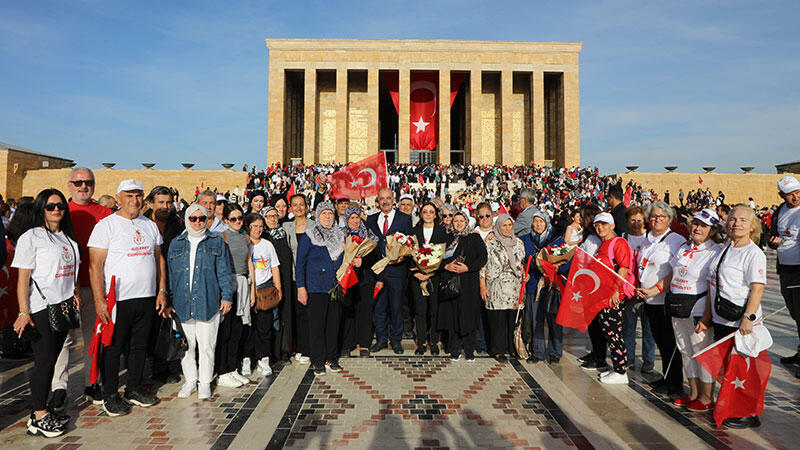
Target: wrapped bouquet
{"x": 398, "y": 245}
{"x": 354, "y": 246}
{"x": 427, "y": 258}
{"x": 557, "y": 254}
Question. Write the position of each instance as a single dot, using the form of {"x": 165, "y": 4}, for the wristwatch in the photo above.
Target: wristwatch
{"x": 751, "y": 317}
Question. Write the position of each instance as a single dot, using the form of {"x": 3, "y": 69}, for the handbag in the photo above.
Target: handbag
{"x": 171, "y": 343}
{"x": 551, "y": 298}
{"x": 680, "y": 305}
{"x": 267, "y": 298}
{"x": 449, "y": 286}
{"x": 62, "y": 316}
{"x": 722, "y": 306}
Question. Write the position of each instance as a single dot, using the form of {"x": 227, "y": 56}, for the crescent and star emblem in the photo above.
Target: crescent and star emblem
{"x": 430, "y": 87}
{"x": 590, "y": 274}
{"x": 372, "y": 176}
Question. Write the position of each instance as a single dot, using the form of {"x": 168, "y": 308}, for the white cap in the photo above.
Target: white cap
{"x": 221, "y": 198}
{"x": 604, "y": 217}
{"x": 707, "y": 216}
{"x": 495, "y": 206}
{"x": 129, "y": 185}
{"x": 788, "y": 184}
{"x": 406, "y": 196}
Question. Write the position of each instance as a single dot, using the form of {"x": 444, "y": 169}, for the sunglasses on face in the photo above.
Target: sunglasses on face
{"x": 235, "y": 219}
{"x": 447, "y": 215}
{"x": 198, "y": 218}
{"x": 484, "y": 216}
{"x": 77, "y": 183}
{"x": 52, "y": 206}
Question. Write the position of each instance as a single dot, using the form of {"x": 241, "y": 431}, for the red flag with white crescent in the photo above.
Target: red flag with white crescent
{"x": 589, "y": 287}
{"x": 361, "y": 179}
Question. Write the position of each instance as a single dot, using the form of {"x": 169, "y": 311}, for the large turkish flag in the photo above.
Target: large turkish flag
{"x": 589, "y": 287}
{"x": 361, "y": 179}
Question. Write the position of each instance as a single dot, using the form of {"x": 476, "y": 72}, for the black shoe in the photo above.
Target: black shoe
{"x": 455, "y": 356}
{"x": 500, "y": 358}
{"x": 377, "y": 347}
{"x": 58, "y": 401}
{"x": 420, "y": 350}
{"x": 470, "y": 357}
{"x": 553, "y": 359}
{"x": 47, "y": 426}
{"x": 139, "y": 398}
{"x": 668, "y": 391}
{"x": 533, "y": 360}
{"x": 115, "y": 406}
{"x": 738, "y": 423}
{"x": 594, "y": 365}
{"x": 647, "y": 367}
{"x": 434, "y": 349}
{"x": 408, "y": 335}
{"x": 63, "y": 419}
{"x": 793, "y": 360}
{"x": 398, "y": 349}
{"x": 93, "y": 394}
{"x": 333, "y": 366}
{"x": 318, "y": 371}
{"x": 586, "y": 357}
{"x": 658, "y": 383}
{"x": 364, "y": 353}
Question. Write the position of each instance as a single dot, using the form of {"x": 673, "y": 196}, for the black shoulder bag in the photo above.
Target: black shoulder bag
{"x": 722, "y": 306}
{"x": 171, "y": 343}
{"x": 62, "y": 316}
{"x": 450, "y": 283}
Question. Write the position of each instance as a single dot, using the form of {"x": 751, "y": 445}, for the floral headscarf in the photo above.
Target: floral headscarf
{"x": 362, "y": 230}
{"x": 508, "y": 242}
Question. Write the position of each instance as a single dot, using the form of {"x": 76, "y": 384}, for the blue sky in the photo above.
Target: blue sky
{"x": 686, "y": 83}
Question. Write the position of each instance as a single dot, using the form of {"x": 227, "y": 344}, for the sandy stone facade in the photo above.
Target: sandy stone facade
{"x": 518, "y": 102}
{"x": 17, "y": 162}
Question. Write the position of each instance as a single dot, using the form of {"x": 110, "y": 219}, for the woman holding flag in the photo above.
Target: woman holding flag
{"x": 319, "y": 255}
{"x": 737, "y": 278}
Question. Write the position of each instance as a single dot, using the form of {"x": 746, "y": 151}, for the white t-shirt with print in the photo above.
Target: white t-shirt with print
{"x": 690, "y": 266}
{"x": 741, "y": 266}
{"x": 131, "y": 246}
{"x": 636, "y": 242}
{"x": 653, "y": 260}
{"x": 264, "y": 259}
{"x": 54, "y": 260}
{"x": 789, "y": 232}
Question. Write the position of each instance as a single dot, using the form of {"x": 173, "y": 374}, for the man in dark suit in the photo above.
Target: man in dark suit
{"x": 618, "y": 209}
{"x": 390, "y": 299}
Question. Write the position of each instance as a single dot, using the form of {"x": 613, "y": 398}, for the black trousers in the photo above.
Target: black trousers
{"x": 459, "y": 341}
{"x": 598, "y": 339}
{"x": 229, "y": 336}
{"x": 300, "y": 318}
{"x": 408, "y": 310}
{"x": 501, "y": 330}
{"x": 323, "y": 328}
{"x": 132, "y": 329}
{"x": 426, "y": 311}
{"x": 790, "y": 276}
{"x": 357, "y": 318}
{"x": 45, "y": 353}
{"x": 664, "y": 335}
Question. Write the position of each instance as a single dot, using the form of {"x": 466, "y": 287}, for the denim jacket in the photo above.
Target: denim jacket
{"x": 213, "y": 280}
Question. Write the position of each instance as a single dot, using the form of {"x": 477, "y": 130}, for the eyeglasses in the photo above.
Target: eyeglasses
{"x": 447, "y": 215}
{"x": 659, "y": 216}
{"x": 87, "y": 183}
{"x": 197, "y": 218}
{"x": 52, "y": 206}
{"x": 235, "y": 219}
{"x": 485, "y": 216}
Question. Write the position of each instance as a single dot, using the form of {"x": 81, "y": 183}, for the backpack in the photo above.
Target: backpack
{"x": 627, "y": 288}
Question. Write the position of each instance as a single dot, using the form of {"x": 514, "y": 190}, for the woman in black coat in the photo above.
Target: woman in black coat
{"x": 426, "y": 307}
{"x": 283, "y": 320}
{"x": 464, "y": 258}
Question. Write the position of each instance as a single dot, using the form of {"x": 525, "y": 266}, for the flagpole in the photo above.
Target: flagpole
{"x": 609, "y": 269}
{"x": 761, "y": 322}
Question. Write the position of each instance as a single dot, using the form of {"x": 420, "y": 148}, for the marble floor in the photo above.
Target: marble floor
{"x": 415, "y": 402}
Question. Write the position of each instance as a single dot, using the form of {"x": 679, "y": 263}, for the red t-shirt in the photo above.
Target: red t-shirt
{"x": 84, "y": 218}
{"x": 621, "y": 256}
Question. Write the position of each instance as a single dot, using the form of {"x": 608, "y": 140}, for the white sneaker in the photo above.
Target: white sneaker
{"x": 263, "y": 366}
{"x": 615, "y": 378}
{"x": 204, "y": 391}
{"x": 302, "y": 359}
{"x": 604, "y": 374}
{"x": 246, "y": 371}
{"x": 240, "y": 377}
{"x": 187, "y": 389}
{"x": 228, "y": 380}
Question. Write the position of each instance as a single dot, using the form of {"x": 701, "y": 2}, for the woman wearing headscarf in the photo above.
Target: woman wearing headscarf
{"x": 275, "y": 234}
{"x": 258, "y": 199}
{"x": 464, "y": 257}
{"x": 357, "y": 316}
{"x": 319, "y": 255}
{"x": 501, "y": 279}
{"x": 278, "y": 201}
{"x": 201, "y": 289}
{"x": 541, "y": 235}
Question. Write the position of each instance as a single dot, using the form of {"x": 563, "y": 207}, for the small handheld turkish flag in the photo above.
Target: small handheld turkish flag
{"x": 589, "y": 287}
{"x": 741, "y": 393}
{"x": 361, "y": 179}
{"x": 627, "y": 197}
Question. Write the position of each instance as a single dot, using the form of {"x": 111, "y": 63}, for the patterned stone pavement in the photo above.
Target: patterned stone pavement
{"x": 420, "y": 402}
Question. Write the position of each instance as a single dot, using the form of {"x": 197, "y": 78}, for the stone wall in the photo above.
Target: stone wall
{"x": 736, "y": 186}
{"x": 107, "y": 180}
{"x": 16, "y": 164}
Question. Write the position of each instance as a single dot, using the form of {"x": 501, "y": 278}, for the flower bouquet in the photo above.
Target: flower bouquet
{"x": 354, "y": 246}
{"x": 427, "y": 258}
{"x": 557, "y": 254}
{"x": 398, "y": 245}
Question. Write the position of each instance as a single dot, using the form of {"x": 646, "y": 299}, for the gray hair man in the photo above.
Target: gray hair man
{"x": 527, "y": 199}
{"x": 208, "y": 200}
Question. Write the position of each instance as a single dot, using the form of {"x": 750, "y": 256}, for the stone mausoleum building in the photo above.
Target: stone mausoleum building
{"x": 342, "y": 100}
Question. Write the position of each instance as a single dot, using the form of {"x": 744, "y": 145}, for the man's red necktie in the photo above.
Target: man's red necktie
{"x": 385, "y": 224}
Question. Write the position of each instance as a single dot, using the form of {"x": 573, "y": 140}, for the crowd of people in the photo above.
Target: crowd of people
{"x": 252, "y": 277}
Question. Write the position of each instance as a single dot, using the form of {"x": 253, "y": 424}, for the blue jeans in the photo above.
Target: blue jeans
{"x": 542, "y": 347}
{"x": 629, "y": 319}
